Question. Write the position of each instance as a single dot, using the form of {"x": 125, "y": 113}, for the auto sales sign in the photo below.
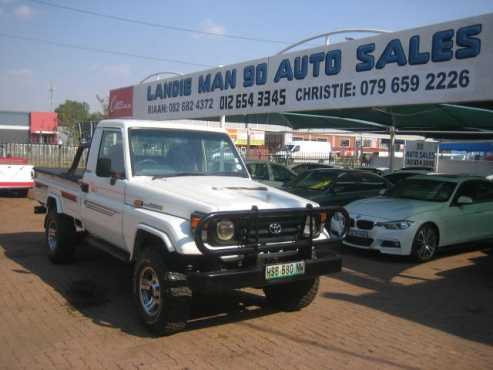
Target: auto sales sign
{"x": 448, "y": 62}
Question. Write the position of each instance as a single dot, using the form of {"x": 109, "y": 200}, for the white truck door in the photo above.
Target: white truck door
{"x": 102, "y": 208}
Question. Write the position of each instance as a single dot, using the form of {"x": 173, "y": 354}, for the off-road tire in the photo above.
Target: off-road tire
{"x": 174, "y": 294}
{"x": 421, "y": 253}
{"x": 292, "y": 296}
{"x": 60, "y": 237}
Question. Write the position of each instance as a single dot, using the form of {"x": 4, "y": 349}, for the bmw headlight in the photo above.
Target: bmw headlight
{"x": 225, "y": 230}
{"x": 396, "y": 225}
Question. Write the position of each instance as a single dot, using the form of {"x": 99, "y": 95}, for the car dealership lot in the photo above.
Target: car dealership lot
{"x": 379, "y": 312}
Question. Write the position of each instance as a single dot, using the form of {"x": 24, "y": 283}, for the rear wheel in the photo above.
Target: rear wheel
{"x": 60, "y": 237}
{"x": 162, "y": 297}
{"x": 425, "y": 243}
{"x": 292, "y": 296}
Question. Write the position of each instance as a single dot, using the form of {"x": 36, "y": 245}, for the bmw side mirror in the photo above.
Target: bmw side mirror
{"x": 463, "y": 200}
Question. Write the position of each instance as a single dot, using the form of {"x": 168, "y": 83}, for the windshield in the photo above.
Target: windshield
{"x": 165, "y": 153}
{"x": 316, "y": 180}
{"x": 423, "y": 189}
{"x": 287, "y": 148}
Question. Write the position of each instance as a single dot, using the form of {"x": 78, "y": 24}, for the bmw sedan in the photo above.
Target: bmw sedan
{"x": 422, "y": 214}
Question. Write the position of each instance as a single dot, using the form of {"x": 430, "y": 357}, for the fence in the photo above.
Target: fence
{"x": 330, "y": 159}
{"x": 42, "y": 155}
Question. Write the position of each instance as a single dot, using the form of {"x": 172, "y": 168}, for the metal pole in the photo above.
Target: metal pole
{"x": 391, "y": 148}
{"x": 222, "y": 122}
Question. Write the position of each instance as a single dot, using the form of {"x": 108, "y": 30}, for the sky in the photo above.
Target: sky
{"x": 28, "y": 67}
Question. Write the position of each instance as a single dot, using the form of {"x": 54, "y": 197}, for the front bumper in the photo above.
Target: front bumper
{"x": 397, "y": 242}
{"x": 255, "y": 277}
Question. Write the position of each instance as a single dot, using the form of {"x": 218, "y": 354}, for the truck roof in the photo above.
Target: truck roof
{"x": 133, "y": 123}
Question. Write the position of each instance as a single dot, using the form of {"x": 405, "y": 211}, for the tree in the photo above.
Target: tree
{"x": 105, "y": 104}
{"x": 72, "y": 112}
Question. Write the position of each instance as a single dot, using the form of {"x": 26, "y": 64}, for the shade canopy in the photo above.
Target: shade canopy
{"x": 436, "y": 121}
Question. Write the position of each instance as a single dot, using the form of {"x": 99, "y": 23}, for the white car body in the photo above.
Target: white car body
{"x": 455, "y": 223}
{"x": 15, "y": 174}
{"x": 305, "y": 149}
{"x": 108, "y": 212}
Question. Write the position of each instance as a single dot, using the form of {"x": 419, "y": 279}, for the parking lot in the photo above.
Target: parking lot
{"x": 379, "y": 312}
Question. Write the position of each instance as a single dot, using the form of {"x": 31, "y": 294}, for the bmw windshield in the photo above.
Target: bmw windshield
{"x": 423, "y": 189}
{"x": 167, "y": 153}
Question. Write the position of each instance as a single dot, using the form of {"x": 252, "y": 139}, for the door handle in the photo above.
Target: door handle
{"x": 84, "y": 187}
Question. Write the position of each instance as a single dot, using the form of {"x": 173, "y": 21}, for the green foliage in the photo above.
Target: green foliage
{"x": 72, "y": 112}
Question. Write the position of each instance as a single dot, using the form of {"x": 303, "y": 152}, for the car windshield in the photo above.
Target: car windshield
{"x": 315, "y": 180}
{"x": 287, "y": 148}
{"x": 423, "y": 189}
{"x": 166, "y": 153}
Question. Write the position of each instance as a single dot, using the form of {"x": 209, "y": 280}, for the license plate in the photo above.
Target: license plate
{"x": 359, "y": 233}
{"x": 284, "y": 270}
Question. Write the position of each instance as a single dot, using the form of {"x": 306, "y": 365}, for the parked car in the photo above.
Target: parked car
{"x": 15, "y": 175}
{"x": 376, "y": 171}
{"x": 169, "y": 200}
{"x": 417, "y": 168}
{"x": 307, "y": 166}
{"x": 398, "y": 176}
{"x": 423, "y": 213}
{"x": 270, "y": 173}
{"x": 336, "y": 186}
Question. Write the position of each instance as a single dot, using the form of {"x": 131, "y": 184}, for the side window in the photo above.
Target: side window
{"x": 111, "y": 152}
{"x": 485, "y": 191}
{"x": 296, "y": 148}
{"x": 345, "y": 183}
{"x": 280, "y": 173}
{"x": 369, "y": 181}
{"x": 469, "y": 189}
{"x": 261, "y": 172}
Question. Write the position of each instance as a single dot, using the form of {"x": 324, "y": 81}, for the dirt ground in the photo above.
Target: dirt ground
{"x": 378, "y": 313}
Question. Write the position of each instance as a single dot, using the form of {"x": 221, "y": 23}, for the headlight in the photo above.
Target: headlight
{"x": 315, "y": 224}
{"x": 225, "y": 230}
{"x": 396, "y": 225}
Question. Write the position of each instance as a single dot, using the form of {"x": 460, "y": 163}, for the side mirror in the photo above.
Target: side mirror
{"x": 463, "y": 200}
{"x": 103, "y": 167}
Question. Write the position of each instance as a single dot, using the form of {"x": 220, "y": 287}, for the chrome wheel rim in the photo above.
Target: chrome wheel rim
{"x": 52, "y": 235}
{"x": 149, "y": 291}
{"x": 427, "y": 243}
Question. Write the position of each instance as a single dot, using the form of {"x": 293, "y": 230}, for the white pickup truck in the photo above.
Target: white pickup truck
{"x": 177, "y": 202}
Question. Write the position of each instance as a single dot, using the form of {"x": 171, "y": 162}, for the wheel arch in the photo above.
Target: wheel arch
{"x": 435, "y": 226}
{"x": 148, "y": 236}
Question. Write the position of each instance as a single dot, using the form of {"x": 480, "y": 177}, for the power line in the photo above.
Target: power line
{"x": 155, "y": 25}
{"x": 97, "y": 50}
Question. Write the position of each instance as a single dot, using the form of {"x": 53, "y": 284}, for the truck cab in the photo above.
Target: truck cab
{"x": 178, "y": 203}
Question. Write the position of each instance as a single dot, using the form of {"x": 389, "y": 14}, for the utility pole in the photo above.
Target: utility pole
{"x": 51, "y": 91}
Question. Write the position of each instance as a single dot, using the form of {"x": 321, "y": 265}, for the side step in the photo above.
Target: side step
{"x": 108, "y": 248}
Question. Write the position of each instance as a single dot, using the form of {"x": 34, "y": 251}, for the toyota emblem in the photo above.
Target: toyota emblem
{"x": 275, "y": 228}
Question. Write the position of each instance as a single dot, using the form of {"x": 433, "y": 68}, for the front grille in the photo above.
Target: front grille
{"x": 366, "y": 242}
{"x": 291, "y": 229}
{"x": 365, "y": 224}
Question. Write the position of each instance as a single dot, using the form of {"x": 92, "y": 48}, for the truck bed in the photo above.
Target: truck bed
{"x": 64, "y": 173}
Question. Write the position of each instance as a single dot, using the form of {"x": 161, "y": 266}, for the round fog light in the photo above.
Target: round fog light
{"x": 225, "y": 230}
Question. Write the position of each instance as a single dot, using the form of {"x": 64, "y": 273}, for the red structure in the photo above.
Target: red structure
{"x": 43, "y": 127}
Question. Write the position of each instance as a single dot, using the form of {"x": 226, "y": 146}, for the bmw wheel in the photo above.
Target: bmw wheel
{"x": 425, "y": 243}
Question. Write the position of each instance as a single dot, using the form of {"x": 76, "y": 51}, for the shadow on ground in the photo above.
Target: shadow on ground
{"x": 452, "y": 293}
{"x": 99, "y": 287}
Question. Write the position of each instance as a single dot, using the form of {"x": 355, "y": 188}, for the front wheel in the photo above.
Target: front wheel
{"x": 425, "y": 243}
{"x": 292, "y": 296}
{"x": 163, "y": 302}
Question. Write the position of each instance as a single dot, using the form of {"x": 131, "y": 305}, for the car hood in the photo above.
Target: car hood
{"x": 183, "y": 195}
{"x": 386, "y": 208}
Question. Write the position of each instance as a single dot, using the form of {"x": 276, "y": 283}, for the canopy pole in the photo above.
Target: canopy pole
{"x": 391, "y": 148}
{"x": 222, "y": 123}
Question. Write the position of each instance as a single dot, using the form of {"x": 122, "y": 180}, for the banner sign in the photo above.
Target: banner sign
{"x": 443, "y": 63}
{"x": 240, "y": 136}
{"x": 421, "y": 154}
